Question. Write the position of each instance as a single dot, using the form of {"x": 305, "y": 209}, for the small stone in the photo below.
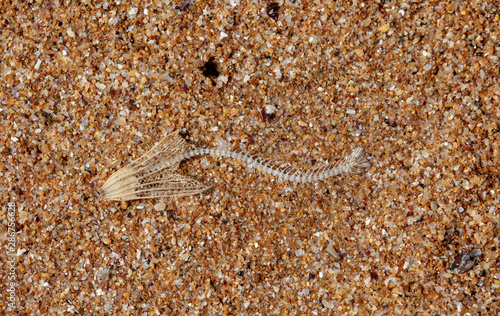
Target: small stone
{"x": 50, "y": 168}
{"x": 70, "y": 32}
{"x": 100, "y": 86}
{"x": 466, "y": 184}
{"x": 434, "y": 205}
{"x": 184, "y": 256}
{"x": 328, "y": 304}
{"x": 256, "y": 277}
{"x": 58, "y": 118}
{"x": 476, "y": 252}
{"x": 464, "y": 262}
{"x": 160, "y": 206}
{"x": 23, "y": 216}
{"x": 384, "y": 28}
{"x": 272, "y": 10}
{"x": 270, "y": 109}
{"x": 223, "y": 79}
{"x": 121, "y": 121}
{"x": 333, "y": 252}
{"x": 102, "y": 274}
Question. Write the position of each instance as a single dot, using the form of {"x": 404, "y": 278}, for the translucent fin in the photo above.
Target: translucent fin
{"x": 152, "y": 175}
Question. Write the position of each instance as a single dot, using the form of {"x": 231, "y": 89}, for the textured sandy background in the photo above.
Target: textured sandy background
{"x": 85, "y": 88}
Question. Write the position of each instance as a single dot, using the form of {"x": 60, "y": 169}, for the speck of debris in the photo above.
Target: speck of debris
{"x": 465, "y": 261}
{"x": 272, "y": 10}
{"x": 209, "y": 69}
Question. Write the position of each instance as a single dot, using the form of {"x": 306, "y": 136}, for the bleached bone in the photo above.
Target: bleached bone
{"x": 153, "y": 175}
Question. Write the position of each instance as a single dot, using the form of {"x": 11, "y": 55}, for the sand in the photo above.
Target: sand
{"x": 86, "y": 88}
